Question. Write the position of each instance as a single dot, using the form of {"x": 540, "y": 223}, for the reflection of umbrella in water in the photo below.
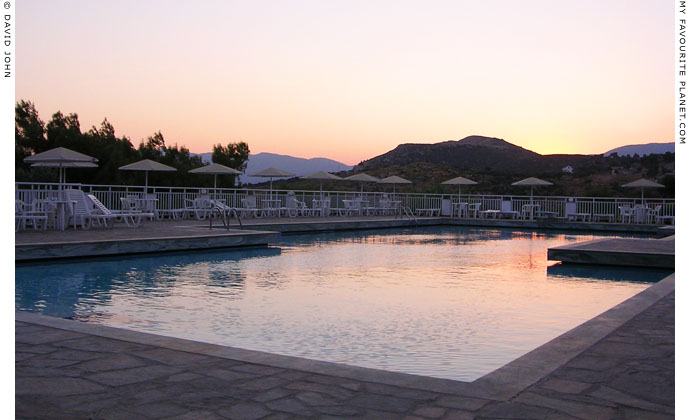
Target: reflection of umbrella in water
{"x": 59, "y": 158}
{"x": 394, "y": 180}
{"x": 147, "y": 165}
{"x": 643, "y": 183}
{"x": 459, "y": 181}
{"x": 322, "y": 176}
{"x": 362, "y": 178}
{"x": 271, "y": 173}
{"x": 215, "y": 169}
{"x": 532, "y": 182}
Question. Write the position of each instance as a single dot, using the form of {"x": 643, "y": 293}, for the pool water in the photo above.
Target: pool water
{"x": 447, "y": 302}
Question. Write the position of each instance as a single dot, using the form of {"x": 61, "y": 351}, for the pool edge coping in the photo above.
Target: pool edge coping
{"x": 500, "y": 384}
{"x": 517, "y": 375}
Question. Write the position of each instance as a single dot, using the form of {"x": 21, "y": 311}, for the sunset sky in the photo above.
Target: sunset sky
{"x": 349, "y": 80}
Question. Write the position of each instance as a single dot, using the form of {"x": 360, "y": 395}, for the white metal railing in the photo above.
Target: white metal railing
{"x": 175, "y": 197}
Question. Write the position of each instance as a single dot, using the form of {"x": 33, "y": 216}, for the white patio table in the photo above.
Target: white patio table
{"x": 63, "y": 209}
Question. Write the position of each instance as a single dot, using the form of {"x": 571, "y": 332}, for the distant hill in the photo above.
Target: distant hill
{"x": 495, "y": 164}
{"x": 479, "y": 154}
{"x": 643, "y": 149}
{"x": 295, "y": 165}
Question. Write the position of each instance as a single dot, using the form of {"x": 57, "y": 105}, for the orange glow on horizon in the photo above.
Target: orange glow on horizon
{"x": 350, "y": 82}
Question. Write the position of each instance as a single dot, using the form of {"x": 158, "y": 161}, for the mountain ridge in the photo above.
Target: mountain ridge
{"x": 296, "y": 165}
{"x": 477, "y": 153}
{"x": 490, "y": 154}
{"x": 643, "y": 149}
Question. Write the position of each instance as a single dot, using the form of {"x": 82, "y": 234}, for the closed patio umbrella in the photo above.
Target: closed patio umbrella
{"x": 147, "y": 165}
{"x": 215, "y": 169}
{"x": 532, "y": 182}
{"x": 642, "y": 184}
{"x": 59, "y": 157}
{"x": 362, "y": 178}
{"x": 271, "y": 173}
{"x": 322, "y": 176}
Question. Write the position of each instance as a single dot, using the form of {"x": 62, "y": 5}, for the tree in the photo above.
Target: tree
{"x": 153, "y": 147}
{"x": 183, "y": 161}
{"x": 29, "y": 130}
{"x": 31, "y": 135}
{"x": 64, "y": 131}
{"x": 111, "y": 152}
{"x": 234, "y": 155}
{"x": 669, "y": 183}
{"x": 180, "y": 158}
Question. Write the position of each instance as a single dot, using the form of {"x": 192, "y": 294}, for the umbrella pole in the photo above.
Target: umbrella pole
{"x": 146, "y": 183}
{"x": 60, "y": 176}
{"x": 531, "y": 195}
{"x": 215, "y": 192}
{"x": 321, "y": 189}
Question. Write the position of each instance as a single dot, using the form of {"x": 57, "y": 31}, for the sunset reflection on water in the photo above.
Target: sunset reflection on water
{"x": 444, "y": 301}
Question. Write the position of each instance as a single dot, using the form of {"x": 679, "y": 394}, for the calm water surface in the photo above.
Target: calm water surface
{"x": 447, "y": 302}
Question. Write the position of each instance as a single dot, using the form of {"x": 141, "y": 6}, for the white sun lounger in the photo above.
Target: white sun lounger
{"x": 132, "y": 218}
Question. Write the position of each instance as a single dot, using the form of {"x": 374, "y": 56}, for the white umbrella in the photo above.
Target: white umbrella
{"x": 459, "y": 181}
{"x": 642, "y": 183}
{"x": 362, "y": 178}
{"x": 321, "y": 176}
{"x": 532, "y": 182}
{"x": 215, "y": 169}
{"x": 394, "y": 180}
{"x": 271, "y": 173}
{"x": 147, "y": 165}
{"x": 59, "y": 157}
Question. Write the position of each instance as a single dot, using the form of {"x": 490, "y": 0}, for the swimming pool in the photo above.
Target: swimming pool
{"x": 447, "y": 302}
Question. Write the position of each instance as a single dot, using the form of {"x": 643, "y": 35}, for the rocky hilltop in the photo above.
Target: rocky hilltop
{"x": 481, "y": 154}
{"x": 495, "y": 164}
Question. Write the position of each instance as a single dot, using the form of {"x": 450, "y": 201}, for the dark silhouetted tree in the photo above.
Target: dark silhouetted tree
{"x": 234, "y": 155}
{"x": 180, "y": 158}
{"x": 33, "y": 136}
{"x": 29, "y": 136}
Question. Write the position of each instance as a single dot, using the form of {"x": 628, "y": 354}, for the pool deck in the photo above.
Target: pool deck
{"x": 181, "y": 235}
{"x": 177, "y": 235}
{"x": 619, "y": 365}
{"x": 659, "y": 253}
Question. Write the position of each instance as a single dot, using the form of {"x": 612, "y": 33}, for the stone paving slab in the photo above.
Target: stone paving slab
{"x": 72, "y": 370}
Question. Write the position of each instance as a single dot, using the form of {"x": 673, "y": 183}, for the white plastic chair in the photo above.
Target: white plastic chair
{"x": 653, "y": 215}
{"x": 473, "y": 210}
{"x": 249, "y": 208}
{"x": 22, "y": 214}
{"x": 626, "y": 213}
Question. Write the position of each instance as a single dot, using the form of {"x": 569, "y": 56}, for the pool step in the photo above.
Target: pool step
{"x": 657, "y": 253}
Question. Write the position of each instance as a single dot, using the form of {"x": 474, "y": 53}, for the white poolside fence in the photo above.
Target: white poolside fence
{"x": 175, "y": 198}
